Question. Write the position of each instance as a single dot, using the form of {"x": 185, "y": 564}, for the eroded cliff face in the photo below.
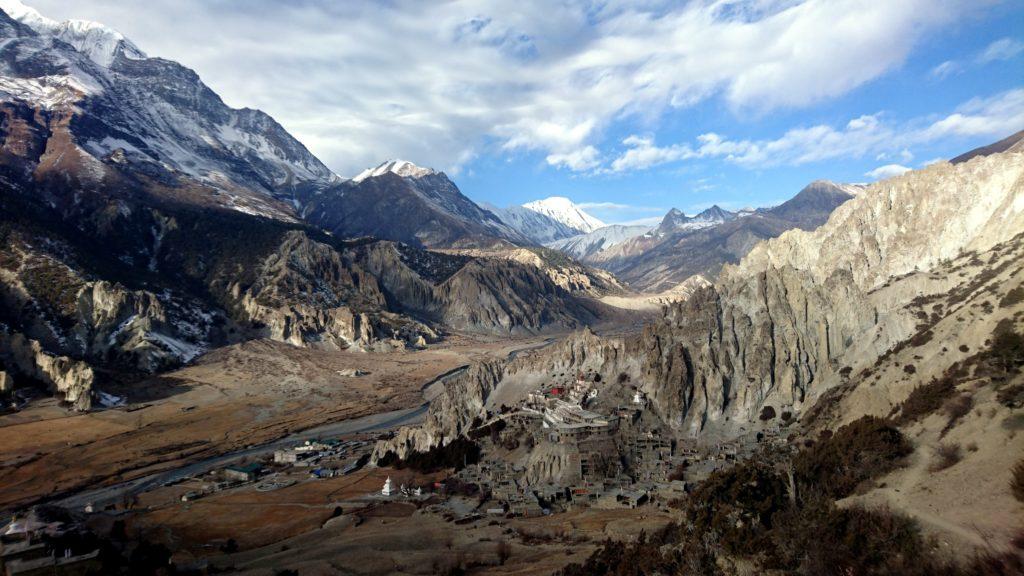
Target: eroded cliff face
{"x": 780, "y": 328}
{"x": 68, "y": 378}
{"x": 450, "y": 414}
{"x": 71, "y": 314}
{"x": 306, "y": 293}
{"x": 474, "y": 294}
{"x": 776, "y": 329}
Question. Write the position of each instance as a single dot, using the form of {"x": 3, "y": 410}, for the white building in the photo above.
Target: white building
{"x": 388, "y": 489}
{"x": 639, "y": 398}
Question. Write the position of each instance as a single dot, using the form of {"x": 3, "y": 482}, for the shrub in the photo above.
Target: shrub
{"x": 819, "y": 538}
{"x": 946, "y": 456}
{"x": 1017, "y": 482}
{"x": 910, "y": 369}
{"x": 767, "y": 413}
{"x": 863, "y": 449}
{"x": 504, "y": 551}
{"x": 956, "y": 408}
{"x": 926, "y": 399}
{"x": 739, "y": 504}
{"x": 921, "y": 338}
{"x": 1015, "y": 296}
{"x": 1007, "y": 347}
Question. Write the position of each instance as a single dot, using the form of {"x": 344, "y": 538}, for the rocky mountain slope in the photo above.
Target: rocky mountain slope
{"x": 144, "y": 222}
{"x": 804, "y": 322}
{"x": 406, "y": 203}
{"x": 681, "y": 246}
{"x": 563, "y": 271}
{"x": 587, "y": 246}
{"x": 1013, "y": 143}
{"x": 152, "y": 120}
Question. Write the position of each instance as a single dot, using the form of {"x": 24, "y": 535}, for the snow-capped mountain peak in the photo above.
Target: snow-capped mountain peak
{"x": 403, "y": 168}
{"x": 26, "y": 15}
{"x": 563, "y": 210}
{"x": 100, "y": 43}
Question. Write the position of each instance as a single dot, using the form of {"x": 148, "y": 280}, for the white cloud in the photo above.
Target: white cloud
{"x": 617, "y": 207}
{"x": 643, "y": 153}
{"x": 904, "y": 156}
{"x": 797, "y": 146}
{"x": 1002, "y": 49}
{"x": 946, "y": 69}
{"x": 579, "y": 160}
{"x": 995, "y": 116}
{"x": 438, "y": 82}
{"x": 887, "y": 171}
{"x": 648, "y": 221}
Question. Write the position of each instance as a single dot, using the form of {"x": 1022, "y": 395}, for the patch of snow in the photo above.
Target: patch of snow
{"x": 179, "y": 348}
{"x": 403, "y": 168}
{"x": 110, "y": 400}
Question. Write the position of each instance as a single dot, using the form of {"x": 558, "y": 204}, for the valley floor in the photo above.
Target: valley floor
{"x": 232, "y": 398}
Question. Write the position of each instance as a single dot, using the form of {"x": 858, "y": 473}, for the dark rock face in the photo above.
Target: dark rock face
{"x": 1010, "y": 143}
{"x": 423, "y": 211}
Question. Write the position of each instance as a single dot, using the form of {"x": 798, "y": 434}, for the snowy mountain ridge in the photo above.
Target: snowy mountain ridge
{"x": 151, "y": 116}
{"x": 565, "y": 211}
{"x": 585, "y": 245}
{"x": 403, "y": 168}
{"x": 100, "y": 43}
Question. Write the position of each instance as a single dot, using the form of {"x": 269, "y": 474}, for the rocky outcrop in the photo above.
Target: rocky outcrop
{"x": 451, "y": 413}
{"x": 135, "y": 328}
{"x": 492, "y": 295}
{"x": 307, "y": 294}
{"x": 71, "y": 379}
{"x": 776, "y": 328}
{"x": 567, "y": 274}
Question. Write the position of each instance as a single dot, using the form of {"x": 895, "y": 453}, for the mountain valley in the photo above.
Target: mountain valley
{"x": 217, "y": 355}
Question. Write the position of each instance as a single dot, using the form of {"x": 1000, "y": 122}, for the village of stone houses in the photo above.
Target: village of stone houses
{"x": 563, "y": 468}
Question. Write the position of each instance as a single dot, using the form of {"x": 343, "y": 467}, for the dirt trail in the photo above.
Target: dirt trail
{"x": 897, "y": 495}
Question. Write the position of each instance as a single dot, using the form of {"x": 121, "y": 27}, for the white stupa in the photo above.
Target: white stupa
{"x": 388, "y": 489}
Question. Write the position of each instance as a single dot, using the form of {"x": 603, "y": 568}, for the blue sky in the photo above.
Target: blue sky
{"x": 628, "y": 108}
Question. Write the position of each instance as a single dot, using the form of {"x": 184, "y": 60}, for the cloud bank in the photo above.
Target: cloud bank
{"x": 861, "y": 136}
{"x": 440, "y": 83}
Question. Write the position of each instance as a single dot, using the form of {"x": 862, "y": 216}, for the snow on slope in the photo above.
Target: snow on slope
{"x": 536, "y": 226}
{"x": 155, "y": 112}
{"x": 563, "y": 210}
{"x": 582, "y": 246}
{"x": 99, "y": 43}
{"x": 403, "y": 168}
